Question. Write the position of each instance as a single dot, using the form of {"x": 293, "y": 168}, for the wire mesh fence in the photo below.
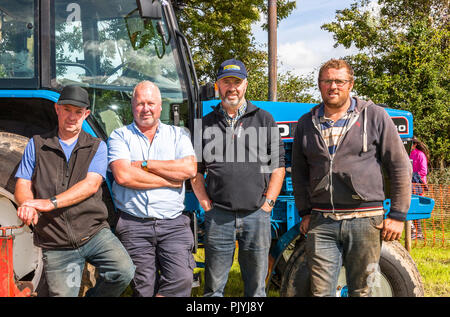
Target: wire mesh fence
{"x": 434, "y": 231}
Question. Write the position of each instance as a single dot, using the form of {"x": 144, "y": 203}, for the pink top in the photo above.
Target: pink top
{"x": 419, "y": 164}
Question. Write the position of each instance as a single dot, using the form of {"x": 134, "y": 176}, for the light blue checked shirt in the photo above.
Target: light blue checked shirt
{"x": 169, "y": 143}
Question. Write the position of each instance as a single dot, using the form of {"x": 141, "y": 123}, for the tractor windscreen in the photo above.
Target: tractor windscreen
{"x": 106, "y": 46}
{"x": 18, "y": 30}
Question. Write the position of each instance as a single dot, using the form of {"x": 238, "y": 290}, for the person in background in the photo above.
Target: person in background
{"x": 419, "y": 157}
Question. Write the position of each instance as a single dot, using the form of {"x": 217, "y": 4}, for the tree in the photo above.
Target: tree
{"x": 403, "y": 62}
{"x": 218, "y": 30}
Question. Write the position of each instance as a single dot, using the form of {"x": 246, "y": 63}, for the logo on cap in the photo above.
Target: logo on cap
{"x": 232, "y": 67}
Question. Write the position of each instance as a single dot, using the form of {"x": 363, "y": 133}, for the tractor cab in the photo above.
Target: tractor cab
{"x": 104, "y": 46}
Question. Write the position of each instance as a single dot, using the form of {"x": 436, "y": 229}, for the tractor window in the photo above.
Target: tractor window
{"x": 106, "y": 47}
{"x": 17, "y": 40}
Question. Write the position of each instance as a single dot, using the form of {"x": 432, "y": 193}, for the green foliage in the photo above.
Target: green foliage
{"x": 290, "y": 87}
{"x": 2, "y": 71}
{"x": 218, "y": 30}
{"x": 439, "y": 176}
{"x": 432, "y": 263}
{"x": 403, "y": 62}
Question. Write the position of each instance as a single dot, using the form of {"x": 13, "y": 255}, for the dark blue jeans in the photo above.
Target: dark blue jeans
{"x": 252, "y": 231}
{"x": 162, "y": 253}
{"x": 63, "y": 268}
{"x": 354, "y": 243}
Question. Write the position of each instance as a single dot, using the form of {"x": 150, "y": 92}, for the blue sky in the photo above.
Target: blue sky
{"x": 302, "y": 45}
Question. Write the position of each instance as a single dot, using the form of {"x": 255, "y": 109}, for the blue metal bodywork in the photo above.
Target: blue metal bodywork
{"x": 45, "y": 94}
{"x": 288, "y": 113}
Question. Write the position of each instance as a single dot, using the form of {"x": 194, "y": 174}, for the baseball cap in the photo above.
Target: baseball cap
{"x": 75, "y": 96}
{"x": 232, "y": 68}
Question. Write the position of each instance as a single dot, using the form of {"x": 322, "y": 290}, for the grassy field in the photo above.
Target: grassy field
{"x": 433, "y": 264}
{"x": 434, "y": 267}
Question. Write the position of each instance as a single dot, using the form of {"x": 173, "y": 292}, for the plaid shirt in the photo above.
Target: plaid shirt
{"x": 332, "y": 131}
{"x": 232, "y": 121}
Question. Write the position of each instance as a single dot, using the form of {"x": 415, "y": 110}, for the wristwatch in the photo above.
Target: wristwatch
{"x": 54, "y": 201}
{"x": 144, "y": 165}
{"x": 270, "y": 202}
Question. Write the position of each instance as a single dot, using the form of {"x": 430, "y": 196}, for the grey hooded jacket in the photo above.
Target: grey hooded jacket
{"x": 369, "y": 161}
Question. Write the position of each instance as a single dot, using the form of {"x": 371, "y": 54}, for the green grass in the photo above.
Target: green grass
{"x": 432, "y": 257}
{"x": 434, "y": 267}
{"x": 234, "y": 287}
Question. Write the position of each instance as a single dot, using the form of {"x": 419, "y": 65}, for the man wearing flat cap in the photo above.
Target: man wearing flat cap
{"x": 58, "y": 191}
{"x": 243, "y": 158}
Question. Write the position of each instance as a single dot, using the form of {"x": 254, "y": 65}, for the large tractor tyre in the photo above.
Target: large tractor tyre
{"x": 295, "y": 281}
{"x": 400, "y": 271}
{"x": 399, "y": 275}
{"x": 11, "y": 150}
{"x": 27, "y": 258}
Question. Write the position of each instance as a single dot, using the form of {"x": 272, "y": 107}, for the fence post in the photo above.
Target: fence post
{"x": 408, "y": 235}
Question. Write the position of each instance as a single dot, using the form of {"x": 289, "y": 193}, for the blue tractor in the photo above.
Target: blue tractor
{"x": 107, "y": 47}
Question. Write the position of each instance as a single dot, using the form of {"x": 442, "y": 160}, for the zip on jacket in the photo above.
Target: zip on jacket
{"x": 352, "y": 121}
{"x": 355, "y": 179}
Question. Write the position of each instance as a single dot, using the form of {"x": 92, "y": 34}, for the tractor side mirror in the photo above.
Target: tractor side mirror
{"x": 207, "y": 92}
{"x": 150, "y": 9}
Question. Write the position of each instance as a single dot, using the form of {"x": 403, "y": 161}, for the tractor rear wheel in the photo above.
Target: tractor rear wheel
{"x": 399, "y": 275}
{"x": 27, "y": 258}
{"x": 11, "y": 150}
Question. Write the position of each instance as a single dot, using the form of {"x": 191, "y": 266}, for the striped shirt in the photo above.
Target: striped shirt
{"x": 232, "y": 121}
{"x": 333, "y": 131}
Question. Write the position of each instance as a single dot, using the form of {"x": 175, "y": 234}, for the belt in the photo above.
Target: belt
{"x": 352, "y": 215}
{"x": 127, "y": 215}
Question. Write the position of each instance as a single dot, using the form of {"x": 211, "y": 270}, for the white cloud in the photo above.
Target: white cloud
{"x": 302, "y": 45}
{"x": 297, "y": 56}
{"x": 306, "y": 57}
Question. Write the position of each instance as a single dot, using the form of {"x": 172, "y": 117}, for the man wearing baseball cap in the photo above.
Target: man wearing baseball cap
{"x": 58, "y": 190}
{"x": 241, "y": 190}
